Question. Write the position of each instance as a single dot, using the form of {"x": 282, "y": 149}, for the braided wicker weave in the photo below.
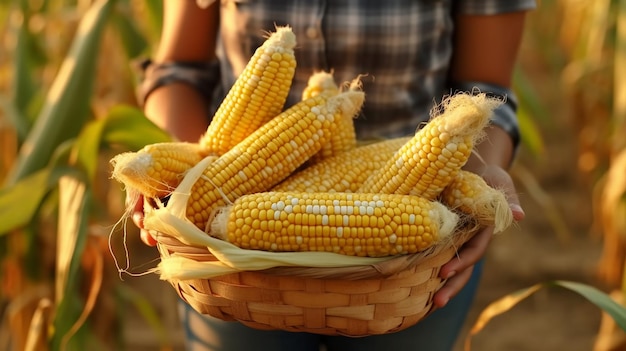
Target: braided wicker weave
{"x": 352, "y": 301}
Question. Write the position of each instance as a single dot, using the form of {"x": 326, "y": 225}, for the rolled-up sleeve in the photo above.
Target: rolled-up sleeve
{"x": 492, "y": 7}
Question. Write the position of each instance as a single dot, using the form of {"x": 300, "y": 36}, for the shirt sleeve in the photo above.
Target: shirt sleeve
{"x": 492, "y": 7}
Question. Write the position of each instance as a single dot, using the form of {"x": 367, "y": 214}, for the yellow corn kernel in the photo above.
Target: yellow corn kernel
{"x": 470, "y": 194}
{"x": 320, "y": 82}
{"x": 374, "y": 225}
{"x": 431, "y": 159}
{"x": 269, "y": 154}
{"x": 344, "y": 138}
{"x": 344, "y": 172}
{"x": 258, "y": 94}
{"x": 156, "y": 169}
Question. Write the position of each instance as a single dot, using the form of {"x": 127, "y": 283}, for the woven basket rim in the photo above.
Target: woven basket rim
{"x": 170, "y": 246}
{"x": 381, "y": 298}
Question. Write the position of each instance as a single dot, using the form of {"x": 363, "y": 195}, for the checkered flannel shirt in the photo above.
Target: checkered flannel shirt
{"x": 403, "y": 47}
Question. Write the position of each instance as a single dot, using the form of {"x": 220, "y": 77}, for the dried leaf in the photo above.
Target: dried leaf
{"x": 498, "y": 307}
{"x": 38, "y": 329}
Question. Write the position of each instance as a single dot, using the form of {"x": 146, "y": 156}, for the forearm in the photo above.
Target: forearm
{"x": 496, "y": 148}
{"x": 485, "y": 48}
{"x": 485, "y": 51}
{"x": 181, "y": 78}
{"x": 179, "y": 109}
{"x": 189, "y": 32}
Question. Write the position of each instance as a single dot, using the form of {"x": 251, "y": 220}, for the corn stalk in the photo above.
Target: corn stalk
{"x": 596, "y": 45}
{"x": 591, "y": 58}
{"x": 51, "y": 200}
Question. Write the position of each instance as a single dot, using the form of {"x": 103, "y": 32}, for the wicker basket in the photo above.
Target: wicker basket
{"x": 352, "y": 301}
{"x": 353, "y": 296}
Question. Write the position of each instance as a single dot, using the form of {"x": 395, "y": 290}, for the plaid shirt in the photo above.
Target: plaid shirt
{"x": 402, "y": 47}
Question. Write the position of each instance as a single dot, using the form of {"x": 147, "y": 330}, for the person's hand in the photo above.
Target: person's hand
{"x": 135, "y": 202}
{"x": 459, "y": 270}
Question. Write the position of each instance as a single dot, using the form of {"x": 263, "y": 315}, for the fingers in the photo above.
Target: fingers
{"x": 147, "y": 238}
{"x": 499, "y": 178}
{"x": 137, "y": 212}
{"x": 452, "y": 287}
{"x": 459, "y": 269}
{"x": 137, "y": 217}
{"x": 470, "y": 253}
{"x": 518, "y": 212}
{"x": 143, "y": 233}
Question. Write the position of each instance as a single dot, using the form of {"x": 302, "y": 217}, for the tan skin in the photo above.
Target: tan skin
{"x": 485, "y": 50}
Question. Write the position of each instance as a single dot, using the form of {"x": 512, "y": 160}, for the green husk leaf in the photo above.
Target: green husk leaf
{"x": 66, "y": 108}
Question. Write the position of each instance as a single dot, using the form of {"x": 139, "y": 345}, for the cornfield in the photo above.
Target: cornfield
{"x": 71, "y": 275}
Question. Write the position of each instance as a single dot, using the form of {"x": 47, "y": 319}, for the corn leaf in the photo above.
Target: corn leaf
{"x": 23, "y": 87}
{"x": 619, "y": 85}
{"x": 154, "y": 11}
{"x": 17, "y": 119}
{"x": 74, "y": 204}
{"x": 128, "y": 126}
{"x": 37, "y": 329}
{"x": 148, "y": 312}
{"x": 72, "y": 195}
{"x": 592, "y": 294}
{"x": 19, "y": 203}
{"x": 530, "y": 110}
{"x": 598, "y": 298}
{"x": 67, "y": 104}
{"x": 532, "y": 139}
{"x": 123, "y": 126}
{"x": 613, "y": 197}
{"x": 547, "y": 203}
{"x": 498, "y": 307}
{"x": 87, "y": 147}
{"x": 93, "y": 255}
{"x": 132, "y": 39}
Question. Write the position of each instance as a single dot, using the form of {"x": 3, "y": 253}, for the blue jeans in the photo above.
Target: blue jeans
{"x": 437, "y": 332}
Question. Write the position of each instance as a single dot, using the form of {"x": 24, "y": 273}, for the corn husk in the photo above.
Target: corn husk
{"x": 171, "y": 219}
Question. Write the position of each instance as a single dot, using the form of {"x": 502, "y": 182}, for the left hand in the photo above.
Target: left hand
{"x": 459, "y": 270}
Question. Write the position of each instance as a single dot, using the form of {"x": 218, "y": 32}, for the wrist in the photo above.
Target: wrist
{"x": 178, "y": 109}
{"x": 494, "y": 149}
{"x": 505, "y": 116}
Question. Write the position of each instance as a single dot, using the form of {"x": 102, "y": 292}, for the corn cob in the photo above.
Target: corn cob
{"x": 344, "y": 137}
{"x": 318, "y": 83}
{"x": 431, "y": 159}
{"x": 374, "y": 225}
{"x": 344, "y": 172}
{"x": 258, "y": 94}
{"x": 470, "y": 194}
{"x": 156, "y": 169}
{"x": 269, "y": 154}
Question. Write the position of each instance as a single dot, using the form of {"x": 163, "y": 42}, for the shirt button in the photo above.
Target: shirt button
{"x": 311, "y": 32}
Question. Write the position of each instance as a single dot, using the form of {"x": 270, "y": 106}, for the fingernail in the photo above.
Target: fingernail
{"x": 137, "y": 218}
{"x": 451, "y": 274}
{"x": 517, "y": 210}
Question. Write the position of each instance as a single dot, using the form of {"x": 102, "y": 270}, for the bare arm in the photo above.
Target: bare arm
{"x": 189, "y": 34}
{"x": 485, "y": 50}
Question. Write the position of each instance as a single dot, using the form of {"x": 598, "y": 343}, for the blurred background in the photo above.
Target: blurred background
{"x": 68, "y": 71}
